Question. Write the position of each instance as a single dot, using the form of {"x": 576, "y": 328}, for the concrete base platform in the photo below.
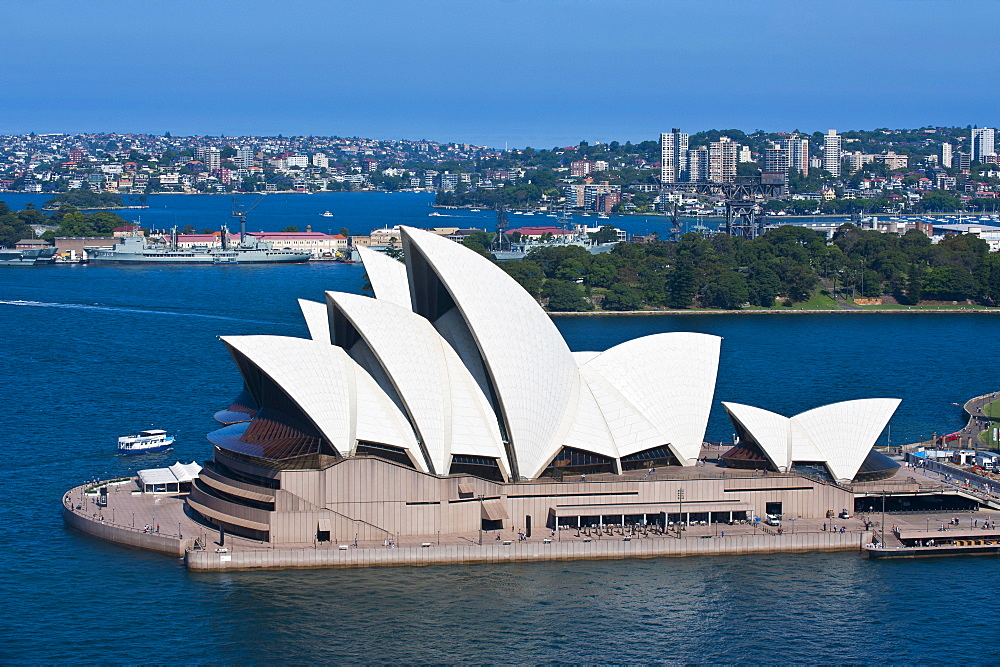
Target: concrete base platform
{"x": 524, "y": 552}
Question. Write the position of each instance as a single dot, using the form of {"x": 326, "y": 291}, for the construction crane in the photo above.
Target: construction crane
{"x": 241, "y": 213}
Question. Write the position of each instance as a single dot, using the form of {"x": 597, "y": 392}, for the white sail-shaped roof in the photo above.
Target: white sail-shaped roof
{"x": 448, "y": 410}
{"x": 845, "y": 432}
{"x": 630, "y": 431}
{"x": 839, "y": 435}
{"x": 670, "y": 379}
{"x": 339, "y": 397}
{"x": 529, "y": 365}
{"x": 769, "y": 429}
{"x": 387, "y": 277}
{"x": 315, "y": 314}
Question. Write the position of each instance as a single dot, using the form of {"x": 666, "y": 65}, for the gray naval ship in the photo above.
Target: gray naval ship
{"x": 136, "y": 249}
{"x": 30, "y": 257}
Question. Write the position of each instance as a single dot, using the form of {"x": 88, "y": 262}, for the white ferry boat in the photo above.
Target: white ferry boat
{"x": 152, "y": 440}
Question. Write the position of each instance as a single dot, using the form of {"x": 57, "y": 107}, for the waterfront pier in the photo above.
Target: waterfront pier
{"x": 159, "y": 522}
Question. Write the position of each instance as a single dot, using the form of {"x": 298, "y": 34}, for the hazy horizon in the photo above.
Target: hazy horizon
{"x": 523, "y": 73}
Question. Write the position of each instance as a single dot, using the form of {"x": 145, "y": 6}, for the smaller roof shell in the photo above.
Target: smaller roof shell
{"x": 839, "y": 435}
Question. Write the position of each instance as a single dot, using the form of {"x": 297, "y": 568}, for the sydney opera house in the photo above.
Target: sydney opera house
{"x": 450, "y": 403}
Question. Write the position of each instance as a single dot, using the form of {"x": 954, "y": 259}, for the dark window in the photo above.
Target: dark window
{"x": 483, "y": 467}
{"x": 876, "y": 466}
{"x": 578, "y": 461}
{"x": 649, "y": 458}
{"x": 813, "y": 470}
{"x": 387, "y": 452}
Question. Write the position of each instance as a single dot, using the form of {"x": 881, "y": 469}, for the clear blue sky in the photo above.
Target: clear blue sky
{"x": 527, "y": 72}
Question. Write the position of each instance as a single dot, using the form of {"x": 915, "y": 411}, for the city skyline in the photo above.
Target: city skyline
{"x": 495, "y": 74}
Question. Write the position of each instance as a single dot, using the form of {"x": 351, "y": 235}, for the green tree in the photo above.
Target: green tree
{"x": 529, "y": 274}
{"x": 603, "y": 271}
{"x": 478, "y": 241}
{"x": 606, "y": 234}
{"x": 622, "y": 297}
{"x": 728, "y": 291}
{"x": 948, "y": 283}
{"x": 290, "y": 228}
{"x": 564, "y": 296}
{"x": 763, "y": 285}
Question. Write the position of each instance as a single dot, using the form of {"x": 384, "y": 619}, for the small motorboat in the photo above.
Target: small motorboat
{"x": 144, "y": 442}
{"x": 326, "y": 214}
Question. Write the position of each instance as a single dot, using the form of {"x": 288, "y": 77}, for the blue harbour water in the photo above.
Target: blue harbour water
{"x": 93, "y": 352}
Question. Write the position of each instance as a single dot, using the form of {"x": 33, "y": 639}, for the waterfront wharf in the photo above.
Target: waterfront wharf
{"x": 158, "y": 522}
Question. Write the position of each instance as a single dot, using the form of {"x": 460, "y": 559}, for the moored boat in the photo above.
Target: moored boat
{"x": 144, "y": 442}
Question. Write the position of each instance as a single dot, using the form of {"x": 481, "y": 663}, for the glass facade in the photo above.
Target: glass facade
{"x": 579, "y": 462}
{"x": 483, "y": 467}
{"x": 649, "y": 458}
{"x": 387, "y": 452}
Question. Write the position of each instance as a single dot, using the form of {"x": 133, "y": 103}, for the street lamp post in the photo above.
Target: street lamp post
{"x": 883, "y": 517}
{"x": 680, "y": 511}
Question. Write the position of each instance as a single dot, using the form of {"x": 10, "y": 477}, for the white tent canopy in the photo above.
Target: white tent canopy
{"x": 168, "y": 480}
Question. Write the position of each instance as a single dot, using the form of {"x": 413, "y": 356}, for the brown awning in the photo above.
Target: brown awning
{"x": 493, "y": 510}
{"x": 466, "y": 487}
{"x": 324, "y": 524}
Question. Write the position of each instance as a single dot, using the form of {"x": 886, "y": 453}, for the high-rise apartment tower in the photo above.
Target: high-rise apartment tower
{"x": 983, "y": 139}
{"x": 673, "y": 156}
{"x": 831, "y": 152}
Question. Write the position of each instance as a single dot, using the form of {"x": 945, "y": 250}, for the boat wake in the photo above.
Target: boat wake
{"x": 125, "y": 309}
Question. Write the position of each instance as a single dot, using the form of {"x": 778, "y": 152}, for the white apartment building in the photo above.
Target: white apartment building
{"x": 320, "y": 160}
{"x": 831, "y": 152}
{"x": 983, "y": 143}
{"x": 946, "y": 155}
{"x": 297, "y": 161}
{"x": 244, "y": 157}
{"x": 673, "y": 155}
{"x": 722, "y": 159}
{"x": 798, "y": 153}
{"x": 213, "y": 158}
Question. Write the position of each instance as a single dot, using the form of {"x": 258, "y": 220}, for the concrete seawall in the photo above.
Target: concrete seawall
{"x": 164, "y": 544}
{"x": 524, "y": 552}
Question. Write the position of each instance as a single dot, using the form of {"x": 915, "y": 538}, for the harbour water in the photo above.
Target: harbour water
{"x": 94, "y": 352}
{"x": 359, "y": 212}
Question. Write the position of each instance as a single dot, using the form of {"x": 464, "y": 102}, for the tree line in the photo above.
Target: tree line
{"x": 783, "y": 267}
{"x": 66, "y": 221}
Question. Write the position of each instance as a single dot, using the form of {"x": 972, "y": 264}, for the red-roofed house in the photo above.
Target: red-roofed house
{"x": 317, "y": 244}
